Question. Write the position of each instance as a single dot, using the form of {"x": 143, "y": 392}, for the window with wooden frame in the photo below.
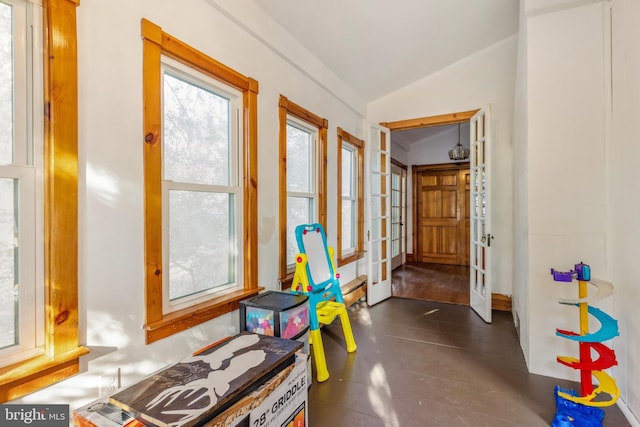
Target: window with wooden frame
{"x": 302, "y": 180}
{"x": 39, "y": 239}
{"x": 350, "y": 245}
{"x": 200, "y": 168}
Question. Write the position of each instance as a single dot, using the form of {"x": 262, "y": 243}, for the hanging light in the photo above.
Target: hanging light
{"x": 459, "y": 152}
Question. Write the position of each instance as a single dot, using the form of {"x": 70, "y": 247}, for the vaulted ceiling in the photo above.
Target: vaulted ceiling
{"x": 379, "y": 46}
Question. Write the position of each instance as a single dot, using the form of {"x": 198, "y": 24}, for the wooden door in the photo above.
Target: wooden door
{"x": 442, "y": 212}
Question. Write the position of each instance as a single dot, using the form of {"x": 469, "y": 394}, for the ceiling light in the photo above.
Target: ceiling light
{"x": 459, "y": 152}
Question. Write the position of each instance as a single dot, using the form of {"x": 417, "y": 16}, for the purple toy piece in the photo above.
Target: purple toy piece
{"x": 580, "y": 271}
{"x": 583, "y": 271}
{"x": 559, "y": 276}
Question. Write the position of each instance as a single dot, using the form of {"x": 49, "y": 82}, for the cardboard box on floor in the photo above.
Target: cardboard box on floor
{"x": 281, "y": 402}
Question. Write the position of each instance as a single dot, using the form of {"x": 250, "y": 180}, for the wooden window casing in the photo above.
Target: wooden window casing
{"x": 286, "y": 107}
{"x": 156, "y": 43}
{"x": 358, "y": 143}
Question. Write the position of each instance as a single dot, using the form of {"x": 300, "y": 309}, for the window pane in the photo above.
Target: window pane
{"x": 196, "y": 133}
{"x": 347, "y": 225}
{"x": 299, "y": 160}
{"x": 299, "y": 211}
{"x": 8, "y": 263}
{"x": 6, "y": 85}
{"x": 201, "y": 235}
{"x": 347, "y": 172}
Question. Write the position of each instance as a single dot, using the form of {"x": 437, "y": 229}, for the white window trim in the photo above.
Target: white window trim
{"x": 28, "y": 170}
{"x": 234, "y": 188}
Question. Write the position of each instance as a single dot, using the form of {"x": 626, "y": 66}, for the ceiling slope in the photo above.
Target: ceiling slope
{"x": 379, "y": 46}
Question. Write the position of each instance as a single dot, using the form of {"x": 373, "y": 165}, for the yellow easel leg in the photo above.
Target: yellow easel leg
{"x": 348, "y": 333}
{"x": 318, "y": 356}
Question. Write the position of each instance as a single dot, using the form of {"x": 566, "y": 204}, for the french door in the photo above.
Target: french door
{"x": 398, "y": 215}
{"x": 379, "y": 214}
{"x": 480, "y": 204}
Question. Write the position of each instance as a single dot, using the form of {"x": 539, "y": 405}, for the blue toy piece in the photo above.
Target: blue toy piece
{"x": 571, "y": 414}
{"x": 608, "y": 328}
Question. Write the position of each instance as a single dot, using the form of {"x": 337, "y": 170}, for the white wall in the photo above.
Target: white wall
{"x": 566, "y": 171}
{"x": 623, "y": 246}
{"x": 111, "y": 170}
{"x": 486, "y": 77}
{"x": 520, "y": 299}
{"x": 435, "y": 149}
{"x": 577, "y": 106}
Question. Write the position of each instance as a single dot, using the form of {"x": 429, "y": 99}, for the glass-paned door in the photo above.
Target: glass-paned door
{"x": 480, "y": 203}
{"x": 398, "y": 215}
{"x": 379, "y": 172}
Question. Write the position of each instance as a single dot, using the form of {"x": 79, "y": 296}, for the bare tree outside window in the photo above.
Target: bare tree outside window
{"x": 8, "y": 208}
{"x": 197, "y": 167}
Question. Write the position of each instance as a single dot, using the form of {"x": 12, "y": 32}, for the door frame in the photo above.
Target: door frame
{"x": 424, "y": 122}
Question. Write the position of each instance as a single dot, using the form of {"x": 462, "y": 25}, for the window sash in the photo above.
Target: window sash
{"x": 173, "y": 298}
{"x": 25, "y": 293}
{"x": 235, "y": 247}
{"x": 23, "y": 125}
{"x": 304, "y": 205}
{"x": 302, "y": 157}
{"x": 349, "y": 218}
{"x": 305, "y": 157}
{"x": 220, "y": 91}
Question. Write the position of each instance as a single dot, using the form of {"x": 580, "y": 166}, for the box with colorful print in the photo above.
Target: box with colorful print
{"x": 277, "y": 314}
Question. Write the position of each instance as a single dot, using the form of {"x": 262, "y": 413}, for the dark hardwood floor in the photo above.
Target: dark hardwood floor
{"x": 432, "y": 282}
{"x": 423, "y": 363}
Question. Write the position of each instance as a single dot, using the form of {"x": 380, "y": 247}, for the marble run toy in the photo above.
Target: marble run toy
{"x": 583, "y": 409}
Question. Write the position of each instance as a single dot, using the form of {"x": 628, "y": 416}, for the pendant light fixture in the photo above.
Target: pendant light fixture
{"x": 459, "y": 152}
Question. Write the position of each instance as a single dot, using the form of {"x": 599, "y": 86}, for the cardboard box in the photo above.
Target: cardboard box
{"x": 201, "y": 387}
{"x": 281, "y": 402}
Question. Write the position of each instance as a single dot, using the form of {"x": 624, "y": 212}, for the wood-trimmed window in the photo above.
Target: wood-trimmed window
{"x": 303, "y": 136}
{"x": 60, "y": 351}
{"x": 235, "y": 193}
{"x": 350, "y": 198}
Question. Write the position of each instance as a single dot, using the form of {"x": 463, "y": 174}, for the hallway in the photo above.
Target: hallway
{"x": 432, "y": 282}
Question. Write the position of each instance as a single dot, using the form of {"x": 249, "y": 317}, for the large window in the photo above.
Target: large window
{"x": 38, "y": 196}
{"x": 20, "y": 154}
{"x": 200, "y": 180}
{"x": 303, "y": 159}
{"x": 350, "y": 197}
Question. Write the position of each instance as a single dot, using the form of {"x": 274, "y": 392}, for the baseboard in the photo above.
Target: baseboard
{"x": 500, "y": 302}
{"x": 633, "y": 421}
